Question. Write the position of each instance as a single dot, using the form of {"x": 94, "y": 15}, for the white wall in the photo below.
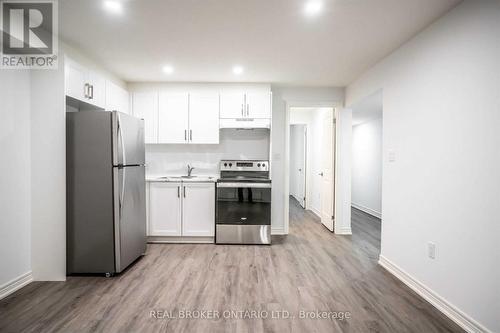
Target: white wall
{"x": 442, "y": 118}
{"x": 298, "y": 97}
{"x": 313, "y": 118}
{"x": 15, "y": 184}
{"x": 367, "y": 166}
{"x": 234, "y": 144}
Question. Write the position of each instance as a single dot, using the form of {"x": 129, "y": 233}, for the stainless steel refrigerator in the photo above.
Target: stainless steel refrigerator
{"x": 106, "y": 206}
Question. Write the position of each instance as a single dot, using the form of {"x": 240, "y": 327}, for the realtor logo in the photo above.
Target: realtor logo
{"x": 28, "y": 34}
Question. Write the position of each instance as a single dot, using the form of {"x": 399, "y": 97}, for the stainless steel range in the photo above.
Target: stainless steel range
{"x": 243, "y": 210}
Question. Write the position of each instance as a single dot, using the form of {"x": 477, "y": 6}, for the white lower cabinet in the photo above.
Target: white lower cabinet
{"x": 165, "y": 210}
{"x": 198, "y": 209}
{"x": 181, "y": 209}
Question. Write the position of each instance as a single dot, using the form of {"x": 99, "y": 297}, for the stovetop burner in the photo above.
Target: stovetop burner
{"x": 244, "y": 171}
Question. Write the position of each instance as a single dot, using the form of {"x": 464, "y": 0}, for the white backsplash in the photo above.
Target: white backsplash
{"x": 172, "y": 159}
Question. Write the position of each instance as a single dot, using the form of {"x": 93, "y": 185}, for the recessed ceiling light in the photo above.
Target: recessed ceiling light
{"x": 113, "y": 6}
{"x": 313, "y": 7}
{"x": 168, "y": 69}
{"x": 237, "y": 70}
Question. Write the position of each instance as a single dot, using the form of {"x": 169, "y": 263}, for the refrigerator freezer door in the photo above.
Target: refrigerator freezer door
{"x": 128, "y": 140}
{"x": 130, "y": 214}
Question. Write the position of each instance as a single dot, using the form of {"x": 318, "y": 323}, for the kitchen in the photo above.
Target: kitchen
{"x": 206, "y": 152}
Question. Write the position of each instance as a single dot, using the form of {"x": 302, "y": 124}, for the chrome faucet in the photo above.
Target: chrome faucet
{"x": 190, "y": 169}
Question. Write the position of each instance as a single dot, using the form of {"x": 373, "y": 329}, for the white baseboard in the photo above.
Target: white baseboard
{"x": 278, "y": 231}
{"x": 343, "y": 231}
{"x": 15, "y": 284}
{"x": 180, "y": 240}
{"x": 367, "y": 210}
{"x": 316, "y": 212}
{"x": 448, "y": 309}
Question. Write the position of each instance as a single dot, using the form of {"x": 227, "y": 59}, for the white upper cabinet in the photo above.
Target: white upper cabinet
{"x": 198, "y": 209}
{"x": 204, "y": 118}
{"x": 145, "y": 106}
{"x": 258, "y": 105}
{"x": 173, "y": 117}
{"x": 249, "y": 105}
{"x": 97, "y": 89}
{"x": 84, "y": 85}
{"x": 117, "y": 98}
{"x": 76, "y": 81}
{"x": 232, "y": 105}
{"x": 165, "y": 217}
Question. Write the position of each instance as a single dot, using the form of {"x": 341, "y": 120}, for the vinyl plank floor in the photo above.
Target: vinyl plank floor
{"x": 311, "y": 269}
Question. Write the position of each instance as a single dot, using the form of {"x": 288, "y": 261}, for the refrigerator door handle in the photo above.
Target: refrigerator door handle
{"x": 122, "y": 192}
{"x": 120, "y": 133}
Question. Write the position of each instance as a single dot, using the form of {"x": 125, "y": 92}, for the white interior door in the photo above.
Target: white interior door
{"x": 298, "y": 163}
{"x": 327, "y": 173}
{"x": 301, "y": 165}
{"x": 173, "y": 110}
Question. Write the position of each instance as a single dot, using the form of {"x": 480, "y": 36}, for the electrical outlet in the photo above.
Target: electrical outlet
{"x": 391, "y": 155}
{"x": 431, "y": 250}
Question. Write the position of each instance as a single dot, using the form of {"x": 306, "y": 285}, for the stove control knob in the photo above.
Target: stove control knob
{"x": 230, "y": 164}
{"x": 258, "y": 165}
{"x": 225, "y": 164}
{"x": 263, "y": 165}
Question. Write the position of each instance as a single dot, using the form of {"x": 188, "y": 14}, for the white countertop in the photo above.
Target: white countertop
{"x": 179, "y": 178}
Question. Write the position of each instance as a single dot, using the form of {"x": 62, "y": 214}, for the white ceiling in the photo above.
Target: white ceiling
{"x": 367, "y": 109}
{"x": 272, "y": 39}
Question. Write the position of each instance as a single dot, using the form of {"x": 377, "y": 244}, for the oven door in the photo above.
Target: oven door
{"x": 243, "y": 203}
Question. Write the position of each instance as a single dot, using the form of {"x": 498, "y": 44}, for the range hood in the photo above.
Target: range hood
{"x": 246, "y": 123}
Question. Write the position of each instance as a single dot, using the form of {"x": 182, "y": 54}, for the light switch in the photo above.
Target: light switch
{"x": 392, "y": 155}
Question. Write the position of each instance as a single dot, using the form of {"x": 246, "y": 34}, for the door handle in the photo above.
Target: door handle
{"x": 321, "y": 174}
{"x": 91, "y": 89}
{"x": 248, "y": 110}
{"x": 190, "y": 135}
{"x": 300, "y": 169}
{"x": 85, "y": 90}
{"x": 185, "y": 135}
{"x": 242, "y": 114}
{"x": 178, "y": 191}
{"x": 184, "y": 188}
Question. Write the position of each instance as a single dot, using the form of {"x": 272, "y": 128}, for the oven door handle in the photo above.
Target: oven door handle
{"x": 244, "y": 185}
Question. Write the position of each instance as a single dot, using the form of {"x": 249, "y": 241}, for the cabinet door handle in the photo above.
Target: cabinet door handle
{"x": 190, "y": 135}
{"x": 242, "y": 114}
{"x": 91, "y": 89}
{"x": 184, "y": 188}
{"x": 85, "y": 90}
{"x": 178, "y": 191}
{"x": 185, "y": 135}
{"x": 248, "y": 110}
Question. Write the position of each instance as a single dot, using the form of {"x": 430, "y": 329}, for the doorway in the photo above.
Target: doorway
{"x": 311, "y": 162}
{"x": 366, "y": 175}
